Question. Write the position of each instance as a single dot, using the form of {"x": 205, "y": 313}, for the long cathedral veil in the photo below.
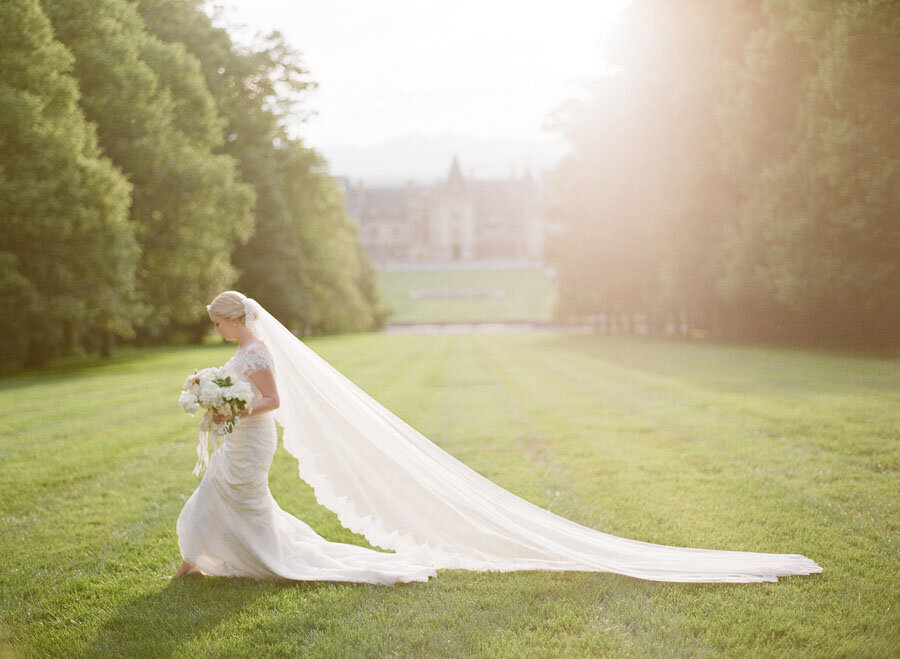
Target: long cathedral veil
{"x": 388, "y": 482}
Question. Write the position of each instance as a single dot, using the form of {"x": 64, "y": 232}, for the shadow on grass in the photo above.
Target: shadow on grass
{"x": 160, "y": 622}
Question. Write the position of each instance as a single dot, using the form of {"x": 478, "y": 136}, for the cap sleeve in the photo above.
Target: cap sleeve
{"x": 257, "y": 358}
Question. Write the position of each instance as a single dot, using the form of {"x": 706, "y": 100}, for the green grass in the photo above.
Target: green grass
{"x": 679, "y": 443}
{"x": 525, "y": 294}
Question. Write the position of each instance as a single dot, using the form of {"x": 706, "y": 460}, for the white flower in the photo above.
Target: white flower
{"x": 204, "y": 389}
{"x": 188, "y": 402}
{"x": 209, "y": 392}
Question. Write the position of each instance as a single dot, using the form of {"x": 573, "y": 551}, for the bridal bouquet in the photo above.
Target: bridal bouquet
{"x": 222, "y": 393}
{"x": 218, "y": 390}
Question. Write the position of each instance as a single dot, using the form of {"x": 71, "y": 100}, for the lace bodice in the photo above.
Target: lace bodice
{"x": 250, "y": 358}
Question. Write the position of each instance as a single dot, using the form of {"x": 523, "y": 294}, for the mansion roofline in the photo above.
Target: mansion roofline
{"x": 455, "y": 221}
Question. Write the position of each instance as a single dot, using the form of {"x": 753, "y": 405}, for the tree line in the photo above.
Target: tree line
{"x": 145, "y": 165}
{"x": 739, "y": 174}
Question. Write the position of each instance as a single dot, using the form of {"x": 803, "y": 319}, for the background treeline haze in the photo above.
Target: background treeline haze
{"x": 145, "y": 167}
{"x": 740, "y": 176}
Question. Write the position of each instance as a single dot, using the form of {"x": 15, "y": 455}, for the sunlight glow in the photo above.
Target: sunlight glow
{"x": 391, "y": 68}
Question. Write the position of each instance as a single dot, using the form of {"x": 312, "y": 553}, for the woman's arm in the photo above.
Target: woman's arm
{"x": 265, "y": 402}
{"x": 268, "y": 393}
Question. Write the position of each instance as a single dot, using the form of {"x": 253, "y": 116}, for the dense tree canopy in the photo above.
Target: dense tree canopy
{"x": 740, "y": 174}
{"x": 158, "y": 123}
{"x": 145, "y": 167}
{"x": 67, "y": 250}
{"x": 303, "y": 261}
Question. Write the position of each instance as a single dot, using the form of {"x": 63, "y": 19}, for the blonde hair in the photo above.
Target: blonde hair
{"x": 229, "y": 304}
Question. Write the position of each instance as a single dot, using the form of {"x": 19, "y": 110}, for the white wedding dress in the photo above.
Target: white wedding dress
{"x": 232, "y": 527}
{"x": 388, "y": 482}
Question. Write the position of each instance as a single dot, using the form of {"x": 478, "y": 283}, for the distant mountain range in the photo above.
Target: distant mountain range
{"x": 426, "y": 159}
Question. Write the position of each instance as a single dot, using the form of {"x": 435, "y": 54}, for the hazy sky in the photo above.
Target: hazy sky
{"x": 389, "y": 68}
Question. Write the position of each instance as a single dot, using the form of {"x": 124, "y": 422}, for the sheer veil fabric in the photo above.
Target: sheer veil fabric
{"x": 388, "y": 482}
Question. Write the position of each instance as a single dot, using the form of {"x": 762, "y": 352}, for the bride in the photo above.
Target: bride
{"x": 389, "y": 483}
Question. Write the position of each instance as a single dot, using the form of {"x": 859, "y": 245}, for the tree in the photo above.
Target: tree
{"x": 304, "y": 260}
{"x": 740, "y": 173}
{"x": 67, "y": 249}
{"x": 158, "y": 124}
{"x": 829, "y": 210}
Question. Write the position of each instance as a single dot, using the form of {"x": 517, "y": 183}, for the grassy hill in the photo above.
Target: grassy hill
{"x": 664, "y": 441}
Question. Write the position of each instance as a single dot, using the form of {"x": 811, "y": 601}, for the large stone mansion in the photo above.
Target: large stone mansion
{"x": 458, "y": 220}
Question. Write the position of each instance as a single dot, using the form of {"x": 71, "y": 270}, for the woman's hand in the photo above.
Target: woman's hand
{"x": 220, "y": 418}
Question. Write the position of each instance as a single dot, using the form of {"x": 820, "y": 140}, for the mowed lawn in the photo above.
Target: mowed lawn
{"x": 468, "y": 295}
{"x": 665, "y": 441}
